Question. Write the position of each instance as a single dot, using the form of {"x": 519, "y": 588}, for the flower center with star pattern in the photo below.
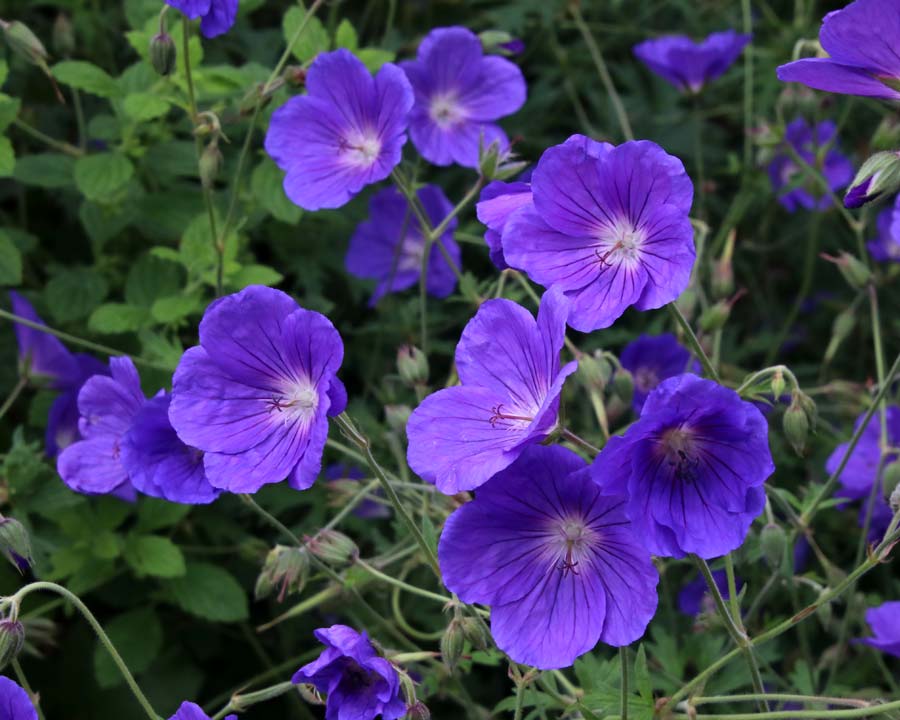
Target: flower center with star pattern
{"x": 445, "y": 111}
{"x": 297, "y": 402}
{"x": 360, "y": 148}
{"x": 574, "y": 537}
{"x": 619, "y": 245}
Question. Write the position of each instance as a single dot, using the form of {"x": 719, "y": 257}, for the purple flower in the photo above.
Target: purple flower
{"x": 886, "y": 247}
{"x": 347, "y": 132}
{"x": 62, "y": 419}
{"x": 554, "y": 556}
{"x": 388, "y": 247}
{"x": 508, "y": 398}
{"x": 460, "y": 93}
{"x": 254, "y": 396}
{"x": 609, "y": 226}
{"x": 14, "y": 702}
{"x": 359, "y": 683}
{"x": 190, "y": 711}
{"x": 107, "y": 406}
{"x": 789, "y": 180}
{"x": 368, "y": 509}
{"x": 498, "y": 201}
{"x": 695, "y": 598}
{"x": 861, "y": 41}
{"x": 652, "y": 359}
{"x": 694, "y": 465}
{"x": 861, "y": 471}
{"x": 216, "y": 16}
{"x": 689, "y": 65}
{"x": 158, "y": 463}
{"x": 884, "y": 621}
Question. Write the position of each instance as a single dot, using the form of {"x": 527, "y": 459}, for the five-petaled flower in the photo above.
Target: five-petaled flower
{"x": 216, "y": 16}
{"x": 256, "y": 394}
{"x": 347, "y": 132}
{"x": 609, "y": 226}
{"x": 654, "y": 358}
{"x": 498, "y": 201}
{"x": 511, "y": 380}
{"x": 554, "y": 556}
{"x": 460, "y": 93}
{"x": 689, "y": 65}
{"x": 693, "y": 466}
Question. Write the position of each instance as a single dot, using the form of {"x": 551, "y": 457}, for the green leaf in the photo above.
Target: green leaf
{"x": 137, "y": 635}
{"x": 176, "y": 307}
{"x": 9, "y": 110}
{"x": 7, "y": 157}
{"x": 156, "y": 514}
{"x": 267, "y": 183}
{"x": 314, "y": 38}
{"x": 346, "y": 37}
{"x": 374, "y": 58}
{"x": 73, "y": 294}
{"x": 145, "y": 106}
{"x": 46, "y": 170}
{"x": 10, "y": 262}
{"x": 4, "y": 71}
{"x": 85, "y": 76}
{"x": 151, "y": 278}
{"x": 154, "y": 555}
{"x": 197, "y": 253}
{"x": 209, "y": 592}
{"x": 105, "y": 545}
{"x": 113, "y": 318}
{"x": 100, "y": 176}
{"x": 255, "y": 275}
{"x": 642, "y": 675}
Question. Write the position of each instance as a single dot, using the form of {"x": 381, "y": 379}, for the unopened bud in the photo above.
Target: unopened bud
{"x": 854, "y": 270}
{"x": 294, "y": 75}
{"x": 623, "y": 385}
{"x": 24, "y": 43}
{"x": 412, "y": 365}
{"x": 333, "y": 547}
{"x": 891, "y": 478}
{"x": 796, "y": 426}
{"x": 842, "y": 326}
{"x": 777, "y": 385}
{"x": 15, "y": 544}
{"x": 397, "y": 416}
{"x": 887, "y": 134}
{"x": 879, "y": 175}
{"x": 500, "y": 42}
{"x": 722, "y": 271}
{"x": 498, "y": 163}
{"x": 452, "y": 643}
{"x": 715, "y": 316}
{"x": 594, "y": 371}
{"x": 418, "y": 711}
{"x": 12, "y": 640}
{"x": 210, "y": 164}
{"x": 163, "y": 53}
{"x": 476, "y": 633}
{"x": 773, "y": 541}
{"x": 285, "y": 568}
{"x": 63, "y": 36}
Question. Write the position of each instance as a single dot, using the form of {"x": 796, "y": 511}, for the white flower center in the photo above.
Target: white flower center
{"x": 411, "y": 254}
{"x": 445, "y": 111}
{"x": 360, "y": 148}
{"x": 298, "y": 401}
{"x": 574, "y": 540}
{"x": 620, "y": 244}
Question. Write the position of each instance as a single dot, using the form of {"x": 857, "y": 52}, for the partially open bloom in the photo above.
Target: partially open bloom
{"x": 861, "y": 41}
{"x": 508, "y": 398}
{"x": 654, "y": 358}
{"x": 609, "y": 226}
{"x": 695, "y": 597}
{"x": 191, "y": 711}
{"x": 460, "y": 94}
{"x": 347, "y": 132}
{"x": 358, "y": 682}
{"x": 884, "y": 621}
{"x": 554, "y": 556}
{"x": 791, "y": 182}
{"x": 886, "y": 247}
{"x": 389, "y": 246}
{"x": 216, "y": 16}
{"x": 14, "y": 702}
{"x": 107, "y": 406}
{"x": 689, "y": 65}
{"x": 159, "y": 463}
{"x": 694, "y": 466}
{"x": 255, "y": 395}
{"x": 498, "y": 201}
{"x": 861, "y": 470}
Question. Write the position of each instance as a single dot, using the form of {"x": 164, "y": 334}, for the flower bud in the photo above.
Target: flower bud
{"x": 722, "y": 280}
{"x": 842, "y": 326}
{"x": 500, "y": 42}
{"x": 12, "y": 640}
{"x": 333, "y": 547}
{"x": 715, "y": 316}
{"x": 475, "y": 633}
{"x": 488, "y": 159}
{"x": 773, "y": 541}
{"x": 796, "y": 425}
{"x": 887, "y": 134}
{"x": 418, "y": 711}
{"x": 397, "y": 416}
{"x": 412, "y": 365}
{"x": 210, "y": 164}
{"x": 163, "y": 53}
{"x": 623, "y": 385}
{"x": 15, "y": 544}
{"x": 452, "y": 644}
{"x": 854, "y": 271}
{"x": 24, "y": 43}
{"x": 879, "y": 175}
{"x": 894, "y": 500}
{"x": 777, "y": 385}
{"x": 594, "y": 371}
{"x": 286, "y": 568}
{"x": 63, "y": 36}
{"x": 891, "y": 478}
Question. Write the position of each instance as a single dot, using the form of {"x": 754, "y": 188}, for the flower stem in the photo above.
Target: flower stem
{"x": 13, "y": 395}
{"x": 63, "y": 147}
{"x": 271, "y": 519}
{"x": 779, "y": 697}
{"x": 402, "y": 585}
{"x": 623, "y": 662}
{"x": 692, "y": 340}
{"x": 579, "y": 441}
{"x": 23, "y": 681}
{"x": 240, "y": 702}
{"x": 747, "y": 21}
{"x": 873, "y": 709}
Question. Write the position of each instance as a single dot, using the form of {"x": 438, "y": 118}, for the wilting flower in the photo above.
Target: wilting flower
{"x": 883, "y": 620}
{"x": 107, "y": 406}
{"x": 689, "y": 65}
{"x": 498, "y": 201}
{"x": 886, "y": 247}
{"x": 790, "y": 181}
{"x": 14, "y": 702}
{"x": 508, "y": 398}
{"x": 368, "y": 508}
{"x": 861, "y": 40}
{"x": 158, "y": 463}
{"x": 190, "y": 711}
{"x": 460, "y": 94}
{"x": 554, "y": 556}
{"x": 347, "y": 132}
{"x": 694, "y": 466}
{"x": 861, "y": 470}
{"x": 609, "y": 226}
{"x": 654, "y": 358}
{"x": 695, "y": 597}
{"x": 216, "y": 16}
{"x": 389, "y": 246}
{"x": 359, "y": 683}
{"x": 254, "y": 396}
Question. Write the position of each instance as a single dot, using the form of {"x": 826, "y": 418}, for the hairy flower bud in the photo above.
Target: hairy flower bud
{"x": 854, "y": 270}
{"x": 15, "y": 544}
{"x": 210, "y": 164}
{"x": 500, "y": 42}
{"x": 397, "y": 416}
{"x": 285, "y": 568}
{"x": 162, "y": 53}
{"x": 475, "y": 633}
{"x": 496, "y": 163}
{"x": 879, "y": 175}
{"x": 594, "y": 371}
{"x": 796, "y": 425}
{"x": 452, "y": 643}
{"x": 773, "y": 541}
{"x": 24, "y": 43}
{"x": 333, "y": 547}
{"x": 722, "y": 280}
{"x": 63, "y": 36}
{"x": 842, "y": 326}
{"x": 623, "y": 385}
{"x": 715, "y": 316}
{"x": 418, "y": 711}
{"x": 777, "y": 384}
{"x": 12, "y": 640}
{"x": 412, "y": 365}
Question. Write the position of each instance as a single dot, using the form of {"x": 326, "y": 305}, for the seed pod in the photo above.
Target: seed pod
{"x": 412, "y": 365}
{"x": 163, "y": 53}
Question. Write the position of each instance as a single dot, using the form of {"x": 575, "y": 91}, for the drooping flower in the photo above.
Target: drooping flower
{"x": 256, "y": 394}
{"x": 216, "y": 16}
{"x": 791, "y": 182}
{"x": 191, "y": 711}
{"x": 369, "y": 509}
{"x": 689, "y": 65}
{"x": 861, "y": 470}
{"x": 388, "y": 247}
{"x": 498, "y": 201}
{"x": 14, "y": 702}
{"x": 861, "y": 41}
{"x": 107, "y": 406}
{"x": 695, "y": 597}
{"x": 886, "y": 247}
{"x": 654, "y": 358}
{"x": 694, "y": 466}
{"x": 554, "y": 556}
{"x": 347, "y": 132}
{"x": 508, "y": 398}
{"x": 609, "y": 226}
{"x": 358, "y": 682}
{"x": 158, "y": 463}
{"x": 460, "y": 94}
{"x": 884, "y": 621}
